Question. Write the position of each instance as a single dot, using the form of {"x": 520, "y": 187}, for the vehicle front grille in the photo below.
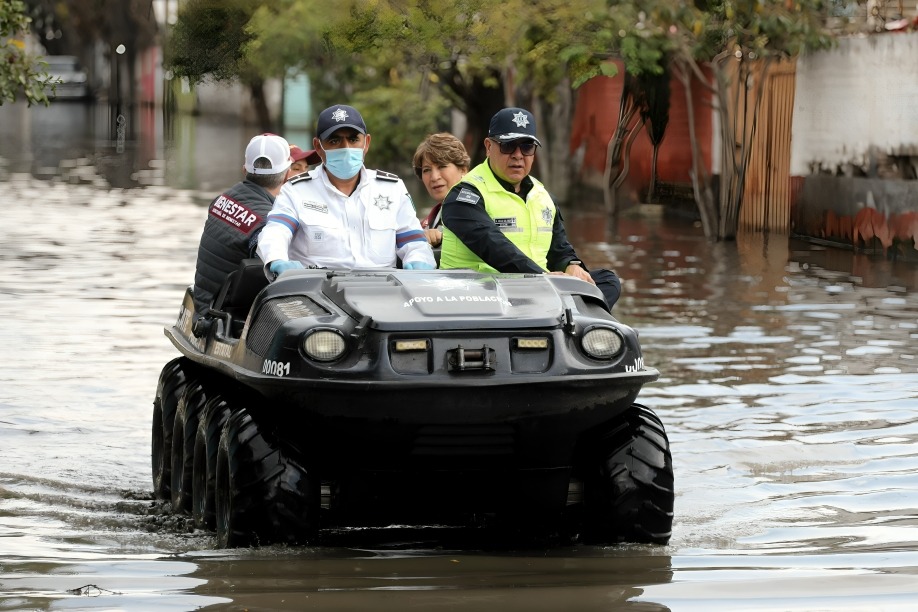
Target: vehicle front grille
{"x": 275, "y": 313}
{"x": 464, "y": 440}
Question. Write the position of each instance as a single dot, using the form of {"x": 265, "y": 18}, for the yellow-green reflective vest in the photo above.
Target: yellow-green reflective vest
{"x": 527, "y": 224}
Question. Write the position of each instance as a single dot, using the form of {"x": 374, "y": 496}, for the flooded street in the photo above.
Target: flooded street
{"x": 789, "y": 390}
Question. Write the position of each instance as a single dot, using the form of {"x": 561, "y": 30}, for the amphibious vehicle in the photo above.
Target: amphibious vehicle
{"x": 330, "y": 399}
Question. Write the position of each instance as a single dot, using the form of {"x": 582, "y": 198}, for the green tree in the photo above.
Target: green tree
{"x": 424, "y": 56}
{"x": 20, "y": 74}
{"x": 253, "y": 41}
{"x": 726, "y": 47}
{"x": 479, "y": 56}
{"x": 210, "y": 40}
{"x": 400, "y": 103}
{"x": 357, "y": 45}
{"x": 543, "y": 64}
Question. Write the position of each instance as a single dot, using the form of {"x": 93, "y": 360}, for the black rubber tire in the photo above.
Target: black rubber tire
{"x": 262, "y": 495}
{"x": 628, "y": 490}
{"x": 206, "y": 444}
{"x": 184, "y": 430}
{"x": 172, "y": 381}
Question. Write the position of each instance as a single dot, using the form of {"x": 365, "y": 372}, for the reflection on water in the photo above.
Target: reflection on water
{"x": 789, "y": 388}
{"x": 77, "y": 143}
{"x": 347, "y": 579}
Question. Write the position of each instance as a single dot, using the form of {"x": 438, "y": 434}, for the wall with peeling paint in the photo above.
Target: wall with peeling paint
{"x": 866, "y": 213}
{"x": 854, "y": 154}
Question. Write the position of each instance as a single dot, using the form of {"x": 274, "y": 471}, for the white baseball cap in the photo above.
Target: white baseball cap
{"x": 273, "y": 148}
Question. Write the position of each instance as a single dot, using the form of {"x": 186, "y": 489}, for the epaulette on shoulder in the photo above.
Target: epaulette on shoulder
{"x": 382, "y": 175}
{"x": 299, "y": 178}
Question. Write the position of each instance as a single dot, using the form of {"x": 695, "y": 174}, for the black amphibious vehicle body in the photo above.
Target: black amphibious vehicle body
{"x": 370, "y": 397}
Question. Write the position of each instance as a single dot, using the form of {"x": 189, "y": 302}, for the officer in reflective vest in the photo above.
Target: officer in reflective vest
{"x": 501, "y": 219}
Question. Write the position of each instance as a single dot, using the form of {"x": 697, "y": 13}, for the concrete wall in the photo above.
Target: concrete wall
{"x": 232, "y": 100}
{"x": 855, "y": 145}
{"x": 855, "y": 102}
{"x": 849, "y": 195}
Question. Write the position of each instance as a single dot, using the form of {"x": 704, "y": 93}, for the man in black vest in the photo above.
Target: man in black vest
{"x": 236, "y": 217}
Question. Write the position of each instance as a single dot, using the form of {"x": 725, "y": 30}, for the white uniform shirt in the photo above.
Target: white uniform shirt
{"x": 315, "y": 223}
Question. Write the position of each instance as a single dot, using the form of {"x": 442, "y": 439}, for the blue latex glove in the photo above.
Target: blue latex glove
{"x": 282, "y": 265}
{"x": 418, "y": 265}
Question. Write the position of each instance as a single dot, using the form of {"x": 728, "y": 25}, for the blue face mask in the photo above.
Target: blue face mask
{"x": 344, "y": 163}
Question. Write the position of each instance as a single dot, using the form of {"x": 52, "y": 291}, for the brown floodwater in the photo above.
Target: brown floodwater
{"x": 789, "y": 390}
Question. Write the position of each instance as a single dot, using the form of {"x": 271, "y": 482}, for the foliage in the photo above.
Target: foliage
{"x": 398, "y": 121}
{"x": 482, "y": 56}
{"x": 450, "y": 45}
{"x": 725, "y": 46}
{"x": 208, "y": 40}
{"x": 415, "y": 57}
{"x": 429, "y": 55}
{"x": 472, "y": 55}
{"x": 20, "y": 74}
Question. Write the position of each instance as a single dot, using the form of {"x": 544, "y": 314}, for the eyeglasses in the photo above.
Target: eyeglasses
{"x": 526, "y": 147}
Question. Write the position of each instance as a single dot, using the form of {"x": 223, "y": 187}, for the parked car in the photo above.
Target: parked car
{"x": 71, "y": 80}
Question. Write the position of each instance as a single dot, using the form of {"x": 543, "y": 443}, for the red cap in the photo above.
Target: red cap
{"x": 311, "y": 157}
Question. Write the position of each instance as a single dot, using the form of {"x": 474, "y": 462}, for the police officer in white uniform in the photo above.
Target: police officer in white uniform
{"x": 341, "y": 214}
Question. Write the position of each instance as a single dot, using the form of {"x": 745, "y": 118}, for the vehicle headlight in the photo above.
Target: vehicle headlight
{"x": 601, "y": 343}
{"x": 324, "y": 345}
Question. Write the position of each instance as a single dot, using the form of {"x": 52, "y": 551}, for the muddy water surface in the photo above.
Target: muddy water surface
{"x": 789, "y": 390}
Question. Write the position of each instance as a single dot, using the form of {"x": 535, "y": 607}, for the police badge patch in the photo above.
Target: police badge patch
{"x": 382, "y": 202}
{"x": 546, "y": 215}
{"x": 467, "y": 196}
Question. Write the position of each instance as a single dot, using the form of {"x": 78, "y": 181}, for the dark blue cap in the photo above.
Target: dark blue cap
{"x": 512, "y": 124}
{"x": 337, "y": 117}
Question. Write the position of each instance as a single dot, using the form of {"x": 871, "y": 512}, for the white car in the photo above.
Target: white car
{"x": 71, "y": 80}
